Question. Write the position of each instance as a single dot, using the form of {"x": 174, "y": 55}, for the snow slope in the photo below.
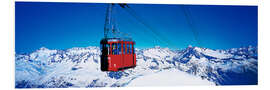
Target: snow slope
{"x": 172, "y": 77}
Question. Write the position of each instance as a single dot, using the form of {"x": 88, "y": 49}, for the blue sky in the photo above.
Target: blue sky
{"x": 67, "y": 25}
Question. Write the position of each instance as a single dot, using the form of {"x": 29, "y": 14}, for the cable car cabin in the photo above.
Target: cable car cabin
{"x": 117, "y": 54}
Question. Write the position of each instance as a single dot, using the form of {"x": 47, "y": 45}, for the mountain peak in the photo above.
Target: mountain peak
{"x": 158, "y": 47}
{"x": 189, "y": 46}
{"x": 43, "y": 48}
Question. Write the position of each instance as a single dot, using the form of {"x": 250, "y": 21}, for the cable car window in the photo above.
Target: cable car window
{"x": 114, "y": 49}
{"x": 107, "y": 48}
{"x": 124, "y": 48}
{"x": 128, "y": 49}
{"x": 119, "y": 48}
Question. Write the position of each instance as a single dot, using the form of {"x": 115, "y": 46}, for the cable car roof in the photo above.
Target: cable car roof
{"x": 119, "y": 39}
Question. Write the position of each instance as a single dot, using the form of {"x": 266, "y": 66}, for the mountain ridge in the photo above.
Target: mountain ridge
{"x": 79, "y": 66}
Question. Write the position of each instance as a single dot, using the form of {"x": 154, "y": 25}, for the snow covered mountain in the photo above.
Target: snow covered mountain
{"x": 80, "y": 67}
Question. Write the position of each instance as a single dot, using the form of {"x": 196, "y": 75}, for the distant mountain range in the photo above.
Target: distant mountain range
{"x": 80, "y": 67}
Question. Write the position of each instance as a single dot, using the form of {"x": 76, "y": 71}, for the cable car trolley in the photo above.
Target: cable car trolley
{"x": 117, "y": 53}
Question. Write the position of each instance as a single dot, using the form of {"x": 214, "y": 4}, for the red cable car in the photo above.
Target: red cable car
{"x": 117, "y": 53}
